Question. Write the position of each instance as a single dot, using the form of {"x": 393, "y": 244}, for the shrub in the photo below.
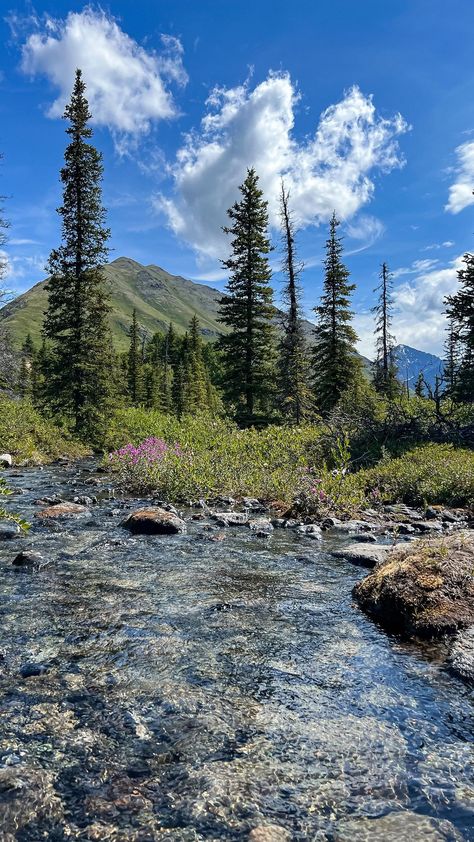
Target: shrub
{"x": 204, "y": 457}
{"x": 31, "y": 438}
{"x": 7, "y": 515}
{"x": 431, "y": 473}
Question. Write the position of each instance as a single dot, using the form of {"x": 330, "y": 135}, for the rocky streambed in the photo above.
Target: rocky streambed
{"x": 215, "y": 682}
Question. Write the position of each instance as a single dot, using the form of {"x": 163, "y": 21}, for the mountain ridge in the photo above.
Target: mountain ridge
{"x": 160, "y": 297}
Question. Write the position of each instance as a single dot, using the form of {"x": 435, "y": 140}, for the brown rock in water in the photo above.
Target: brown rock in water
{"x": 63, "y": 510}
{"x": 424, "y": 588}
{"x": 154, "y": 521}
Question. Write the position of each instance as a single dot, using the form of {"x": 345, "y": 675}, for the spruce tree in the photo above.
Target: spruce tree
{"x": 420, "y": 385}
{"x": 451, "y": 358}
{"x": 135, "y": 363}
{"x": 27, "y": 364}
{"x": 3, "y": 240}
{"x": 460, "y": 311}
{"x": 336, "y": 365}
{"x": 247, "y": 309}
{"x": 294, "y": 389}
{"x": 76, "y": 320}
{"x": 385, "y": 368}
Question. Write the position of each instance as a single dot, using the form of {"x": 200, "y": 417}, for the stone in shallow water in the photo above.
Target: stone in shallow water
{"x": 31, "y": 669}
{"x": 60, "y": 510}
{"x": 230, "y": 518}
{"x": 154, "y": 521}
{"x": 396, "y": 827}
{"x": 7, "y": 533}
{"x": 311, "y": 530}
{"x": 260, "y": 524}
{"x": 461, "y": 657}
{"x": 29, "y": 558}
{"x": 363, "y": 554}
{"x": 269, "y": 833}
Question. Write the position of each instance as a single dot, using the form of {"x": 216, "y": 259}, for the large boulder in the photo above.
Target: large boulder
{"x": 154, "y": 521}
{"x": 363, "y": 554}
{"x": 424, "y": 588}
{"x": 6, "y": 461}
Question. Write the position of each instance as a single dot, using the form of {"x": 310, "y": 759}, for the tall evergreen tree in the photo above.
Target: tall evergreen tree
{"x": 76, "y": 320}
{"x": 336, "y": 365}
{"x": 385, "y": 367}
{"x": 293, "y": 378}
{"x": 247, "y": 308}
{"x": 460, "y": 311}
{"x": 135, "y": 363}
{"x": 3, "y": 240}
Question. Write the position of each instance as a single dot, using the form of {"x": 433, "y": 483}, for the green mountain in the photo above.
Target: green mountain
{"x": 158, "y": 297}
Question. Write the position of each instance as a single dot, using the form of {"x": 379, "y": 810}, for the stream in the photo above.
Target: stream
{"x": 196, "y": 690}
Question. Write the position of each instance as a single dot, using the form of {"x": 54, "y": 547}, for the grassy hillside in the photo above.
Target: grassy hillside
{"x": 157, "y": 296}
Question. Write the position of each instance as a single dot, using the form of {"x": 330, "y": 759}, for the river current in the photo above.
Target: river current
{"x": 196, "y": 690}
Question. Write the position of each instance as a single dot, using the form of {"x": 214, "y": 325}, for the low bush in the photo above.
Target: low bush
{"x": 204, "y": 457}
{"x": 201, "y": 457}
{"x": 431, "y": 473}
{"x": 31, "y": 438}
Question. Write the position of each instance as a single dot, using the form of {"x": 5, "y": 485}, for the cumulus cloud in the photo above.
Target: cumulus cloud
{"x": 243, "y": 127}
{"x": 127, "y": 86}
{"x": 461, "y": 192}
{"x": 418, "y": 318}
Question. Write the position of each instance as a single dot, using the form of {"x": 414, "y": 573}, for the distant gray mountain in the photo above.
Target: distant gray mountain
{"x": 410, "y": 362}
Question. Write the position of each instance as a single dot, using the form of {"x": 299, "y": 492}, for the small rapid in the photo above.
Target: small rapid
{"x": 194, "y": 690}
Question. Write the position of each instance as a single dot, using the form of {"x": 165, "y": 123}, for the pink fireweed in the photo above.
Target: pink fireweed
{"x": 140, "y": 466}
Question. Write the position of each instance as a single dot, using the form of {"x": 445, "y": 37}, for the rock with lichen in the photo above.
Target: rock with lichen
{"x": 425, "y": 588}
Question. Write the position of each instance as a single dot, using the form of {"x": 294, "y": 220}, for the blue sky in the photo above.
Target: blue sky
{"x": 365, "y": 107}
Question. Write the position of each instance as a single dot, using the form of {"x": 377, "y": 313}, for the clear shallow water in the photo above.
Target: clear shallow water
{"x": 196, "y": 690}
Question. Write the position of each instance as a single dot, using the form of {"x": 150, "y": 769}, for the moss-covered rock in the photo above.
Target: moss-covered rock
{"x": 425, "y": 588}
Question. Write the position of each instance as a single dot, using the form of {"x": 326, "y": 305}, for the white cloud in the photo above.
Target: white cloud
{"x": 244, "y": 127}
{"x": 418, "y": 317}
{"x": 127, "y": 86}
{"x": 461, "y": 192}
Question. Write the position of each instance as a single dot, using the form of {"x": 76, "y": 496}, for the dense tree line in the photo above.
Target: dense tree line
{"x": 265, "y": 367}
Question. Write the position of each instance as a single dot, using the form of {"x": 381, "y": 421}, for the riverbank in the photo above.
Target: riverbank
{"x": 194, "y": 686}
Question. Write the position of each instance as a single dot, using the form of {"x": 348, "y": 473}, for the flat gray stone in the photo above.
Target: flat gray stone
{"x": 364, "y": 554}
